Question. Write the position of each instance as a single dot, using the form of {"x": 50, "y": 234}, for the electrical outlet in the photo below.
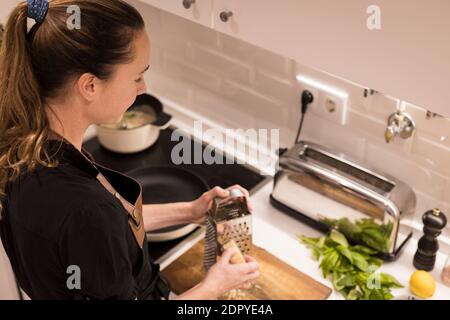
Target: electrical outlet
{"x": 329, "y": 102}
{"x": 332, "y": 107}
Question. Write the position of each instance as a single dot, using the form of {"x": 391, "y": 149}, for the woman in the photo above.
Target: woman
{"x": 59, "y": 213}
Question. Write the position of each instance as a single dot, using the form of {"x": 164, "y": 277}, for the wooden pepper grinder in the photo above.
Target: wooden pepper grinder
{"x": 433, "y": 223}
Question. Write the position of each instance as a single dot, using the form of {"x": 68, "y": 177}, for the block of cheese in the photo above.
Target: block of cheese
{"x": 236, "y": 258}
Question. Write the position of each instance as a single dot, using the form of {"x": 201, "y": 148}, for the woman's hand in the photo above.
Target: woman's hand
{"x": 224, "y": 276}
{"x": 200, "y": 207}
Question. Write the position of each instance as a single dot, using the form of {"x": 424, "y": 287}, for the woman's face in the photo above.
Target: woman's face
{"x": 118, "y": 93}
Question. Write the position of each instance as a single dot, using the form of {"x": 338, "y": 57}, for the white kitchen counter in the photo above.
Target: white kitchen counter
{"x": 277, "y": 232}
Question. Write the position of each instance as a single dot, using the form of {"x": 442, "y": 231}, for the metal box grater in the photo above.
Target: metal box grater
{"x": 229, "y": 219}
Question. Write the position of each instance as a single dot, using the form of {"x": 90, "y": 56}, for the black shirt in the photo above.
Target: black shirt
{"x": 55, "y": 218}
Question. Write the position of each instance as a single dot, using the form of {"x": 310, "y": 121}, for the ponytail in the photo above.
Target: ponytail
{"x": 23, "y": 122}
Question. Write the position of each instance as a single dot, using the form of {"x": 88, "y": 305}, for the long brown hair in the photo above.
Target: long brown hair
{"x": 36, "y": 65}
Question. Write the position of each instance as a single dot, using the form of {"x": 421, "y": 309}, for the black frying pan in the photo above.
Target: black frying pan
{"x": 167, "y": 184}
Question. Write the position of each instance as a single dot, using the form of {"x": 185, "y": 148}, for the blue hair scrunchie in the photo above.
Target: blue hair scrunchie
{"x": 37, "y": 9}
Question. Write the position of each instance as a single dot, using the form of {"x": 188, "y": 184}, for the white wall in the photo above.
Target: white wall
{"x": 243, "y": 86}
{"x": 5, "y": 8}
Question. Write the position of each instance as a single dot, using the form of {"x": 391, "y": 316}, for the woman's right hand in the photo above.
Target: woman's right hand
{"x": 224, "y": 276}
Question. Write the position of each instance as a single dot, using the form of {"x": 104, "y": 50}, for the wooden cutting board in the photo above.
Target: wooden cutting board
{"x": 278, "y": 280}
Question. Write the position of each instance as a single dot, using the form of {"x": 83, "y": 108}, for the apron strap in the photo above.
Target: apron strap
{"x": 135, "y": 219}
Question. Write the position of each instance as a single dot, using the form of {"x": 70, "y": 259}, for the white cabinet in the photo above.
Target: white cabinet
{"x": 408, "y": 58}
{"x": 196, "y": 10}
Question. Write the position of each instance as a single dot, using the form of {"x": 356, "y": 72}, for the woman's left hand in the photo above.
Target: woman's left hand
{"x": 201, "y": 206}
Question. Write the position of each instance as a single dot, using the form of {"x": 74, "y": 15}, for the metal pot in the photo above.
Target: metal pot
{"x": 122, "y": 139}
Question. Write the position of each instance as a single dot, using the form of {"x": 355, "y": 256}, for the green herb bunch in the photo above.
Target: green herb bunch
{"x": 352, "y": 269}
{"x": 365, "y": 231}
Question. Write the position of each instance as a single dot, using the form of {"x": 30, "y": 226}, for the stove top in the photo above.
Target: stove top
{"x": 160, "y": 154}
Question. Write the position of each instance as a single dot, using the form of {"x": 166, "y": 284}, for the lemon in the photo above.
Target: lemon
{"x": 422, "y": 284}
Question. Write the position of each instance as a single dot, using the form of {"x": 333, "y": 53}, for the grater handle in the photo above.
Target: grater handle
{"x": 233, "y": 193}
{"x": 210, "y": 251}
{"x": 236, "y": 193}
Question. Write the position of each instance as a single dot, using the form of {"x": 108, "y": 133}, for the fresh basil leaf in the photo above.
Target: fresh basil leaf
{"x": 321, "y": 242}
{"x": 336, "y": 278}
{"x": 354, "y": 294}
{"x": 345, "y": 252}
{"x": 308, "y": 241}
{"x": 345, "y": 266}
{"x": 388, "y": 228}
{"x": 364, "y": 250}
{"x": 374, "y": 263}
{"x": 348, "y": 228}
{"x": 359, "y": 261}
{"x": 387, "y": 295}
{"x": 389, "y": 281}
{"x": 374, "y": 239}
{"x": 339, "y": 238}
{"x": 316, "y": 254}
{"x": 329, "y": 261}
{"x": 361, "y": 278}
{"x": 346, "y": 281}
{"x": 380, "y": 294}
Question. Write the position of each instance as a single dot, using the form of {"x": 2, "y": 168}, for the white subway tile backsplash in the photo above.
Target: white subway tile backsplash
{"x": 366, "y": 125}
{"x": 277, "y": 87}
{"x": 216, "y": 62}
{"x": 426, "y": 203}
{"x": 177, "y": 68}
{"x": 380, "y": 106}
{"x": 446, "y": 231}
{"x": 331, "y": 135}
{"x": 406, "y": 170}
{"x": 446, "y": 210}
{"x": 243, "y": 86}
{"x": 156, "y": 58}
{"x": 447, "y": 189}
{"x": 172, "y": 45}
{"x": 256, "y": 57}
{"x": 152, "y": 20}
{"x": 373, "y": 129}
{"x": 234, "y": 48}
{"x": 173, "y": 25}
{"x": 437, "y": 155}
{"x": 434, "y": 129}
{"x": 286, "y": 134}
{"x": 254, "y": 102}
{"x": 177, "y": 90}
{"x": 276, "y": 65}
{"x": 218, "y": 108}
